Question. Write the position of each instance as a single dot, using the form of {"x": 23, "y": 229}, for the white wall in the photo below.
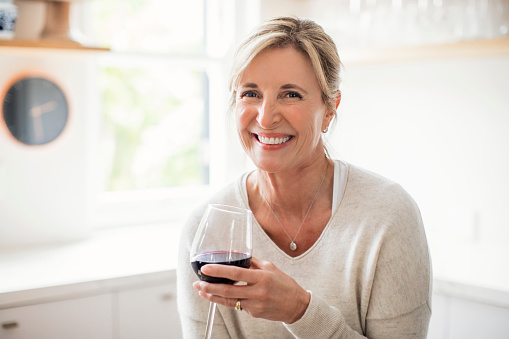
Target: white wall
{"x": 45, "y": 191}
{"x": 440, "y": 128}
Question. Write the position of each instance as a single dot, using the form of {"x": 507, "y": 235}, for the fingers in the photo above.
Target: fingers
{"x": 221, "y": 294}
{"x": 224, "y": 271}
{"x": 220, "y": 290}
{"x": 225, "y": 294}
{"x": 258, "y": 272}
{"x": 230, "y": 272}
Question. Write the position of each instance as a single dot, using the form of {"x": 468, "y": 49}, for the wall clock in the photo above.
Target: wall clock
{"x": 35, "y": 110}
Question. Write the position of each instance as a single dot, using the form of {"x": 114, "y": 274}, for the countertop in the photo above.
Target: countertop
{"x": 116, "y": 258}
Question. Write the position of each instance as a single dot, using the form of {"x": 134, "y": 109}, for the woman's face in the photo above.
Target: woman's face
{"x": 280, "y": 112}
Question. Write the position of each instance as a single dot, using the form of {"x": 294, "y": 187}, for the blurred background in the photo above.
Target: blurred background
{"x": 425, "y": 102}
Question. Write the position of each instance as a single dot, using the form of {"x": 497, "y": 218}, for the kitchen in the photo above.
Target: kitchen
{"x": 424, "y": 103}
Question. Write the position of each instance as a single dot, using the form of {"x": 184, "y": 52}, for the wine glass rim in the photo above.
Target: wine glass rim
{"x": 229, "y": 208}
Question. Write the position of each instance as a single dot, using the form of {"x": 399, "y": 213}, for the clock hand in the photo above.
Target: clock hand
{"x": 39, "y": 110}
{"x": 36, "y": 112}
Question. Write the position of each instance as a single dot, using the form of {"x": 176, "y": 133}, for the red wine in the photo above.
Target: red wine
{"x": 240, "y": 259}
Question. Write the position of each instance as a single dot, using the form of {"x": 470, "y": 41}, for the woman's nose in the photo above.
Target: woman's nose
{"x": 267, "y": 114}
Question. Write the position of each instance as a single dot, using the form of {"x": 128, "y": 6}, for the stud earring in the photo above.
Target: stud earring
{"x": 326, "y": 129}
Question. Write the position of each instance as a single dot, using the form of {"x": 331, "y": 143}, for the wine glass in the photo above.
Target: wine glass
{"x": 223, "y": 237}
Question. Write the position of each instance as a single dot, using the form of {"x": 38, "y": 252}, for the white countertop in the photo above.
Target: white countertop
{"x": 128, "y": 255}
{"x": 117, "y": 258}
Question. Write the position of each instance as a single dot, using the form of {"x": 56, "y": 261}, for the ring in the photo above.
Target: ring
{"x": 237, "y": 306}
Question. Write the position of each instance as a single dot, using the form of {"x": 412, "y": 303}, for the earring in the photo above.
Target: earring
{"x": 326, "y": 129}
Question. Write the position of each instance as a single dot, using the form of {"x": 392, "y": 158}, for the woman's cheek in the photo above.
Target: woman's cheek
{"x": 243, "y": 117}
{"x": 242, "y": 121}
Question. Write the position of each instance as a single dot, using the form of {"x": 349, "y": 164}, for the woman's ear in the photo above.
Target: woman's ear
{"x": 338, "y": 98}
{"x": 330, "y": 113}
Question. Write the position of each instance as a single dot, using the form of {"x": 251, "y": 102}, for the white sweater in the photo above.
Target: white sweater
{"x": 369, "y": 273}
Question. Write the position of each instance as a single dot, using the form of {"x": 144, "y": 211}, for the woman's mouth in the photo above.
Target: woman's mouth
{"x": 272, "y": 141}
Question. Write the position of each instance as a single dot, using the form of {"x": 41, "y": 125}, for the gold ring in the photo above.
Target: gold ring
{"x": 237, "y": 306}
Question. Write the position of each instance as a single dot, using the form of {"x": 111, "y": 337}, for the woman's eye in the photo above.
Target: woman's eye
{"x": 293, "y": 95}
{"x": 248, "y": 94}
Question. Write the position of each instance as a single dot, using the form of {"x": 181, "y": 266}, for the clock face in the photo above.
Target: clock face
{"x": 35, "y": 110}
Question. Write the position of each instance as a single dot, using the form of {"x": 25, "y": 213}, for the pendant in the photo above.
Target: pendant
{"x": 293, "y": 246}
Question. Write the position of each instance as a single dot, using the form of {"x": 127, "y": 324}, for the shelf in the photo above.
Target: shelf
{"x": 50, "y": 44}
{"x": 474, "y": 48}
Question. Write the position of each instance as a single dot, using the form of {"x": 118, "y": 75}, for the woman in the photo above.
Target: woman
{"x": 340, "y": 252}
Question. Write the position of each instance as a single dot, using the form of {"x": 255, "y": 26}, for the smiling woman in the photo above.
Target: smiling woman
{"x": 313, "y": 216}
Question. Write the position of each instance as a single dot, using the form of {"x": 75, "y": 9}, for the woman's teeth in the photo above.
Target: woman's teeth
{"x": 273, "y": 141}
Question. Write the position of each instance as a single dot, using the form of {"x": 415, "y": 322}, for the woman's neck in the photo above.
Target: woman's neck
{"x": 292, "y": 192}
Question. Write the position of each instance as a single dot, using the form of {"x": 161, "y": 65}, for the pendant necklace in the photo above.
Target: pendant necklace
{"x": 293, "y": 245}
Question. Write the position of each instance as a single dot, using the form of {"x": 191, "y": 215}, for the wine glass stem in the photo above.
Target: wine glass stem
{"x": 210, "y": 320}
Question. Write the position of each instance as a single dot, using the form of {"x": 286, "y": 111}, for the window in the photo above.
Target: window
{"x": 154, "y": 125}
{"x": 158, "y": 87}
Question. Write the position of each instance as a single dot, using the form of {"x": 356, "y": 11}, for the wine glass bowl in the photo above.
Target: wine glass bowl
{"x": 224, "y": 237}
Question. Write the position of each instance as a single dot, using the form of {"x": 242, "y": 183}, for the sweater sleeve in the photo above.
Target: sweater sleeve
{"x": 321, "y": 321}
{"x": 400, "y": 294}
{"x": 324, "y": 321}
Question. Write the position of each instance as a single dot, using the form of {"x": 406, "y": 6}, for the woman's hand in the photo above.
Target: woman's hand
{"x": 269, "y": 293}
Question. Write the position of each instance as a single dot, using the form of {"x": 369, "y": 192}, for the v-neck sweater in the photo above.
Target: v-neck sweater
{"x": 369, "y": 272}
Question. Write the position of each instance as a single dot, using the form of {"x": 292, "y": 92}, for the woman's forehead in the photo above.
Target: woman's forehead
{"x": 278, "y": 66}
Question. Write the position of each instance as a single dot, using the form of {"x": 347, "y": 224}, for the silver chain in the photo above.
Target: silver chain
{"x": 293, "y": 245}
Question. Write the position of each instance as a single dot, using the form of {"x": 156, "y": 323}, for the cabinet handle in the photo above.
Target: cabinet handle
{"x": 10, "y": 325}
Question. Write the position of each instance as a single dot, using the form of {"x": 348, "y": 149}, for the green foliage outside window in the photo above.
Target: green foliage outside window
{"x": 152, "y": 128}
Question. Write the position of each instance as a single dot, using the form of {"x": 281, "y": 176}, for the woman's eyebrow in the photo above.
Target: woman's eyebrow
{"x": 249, "y": 85}
{"x": 293, "y": 86}
{"x": 285, "y": 87}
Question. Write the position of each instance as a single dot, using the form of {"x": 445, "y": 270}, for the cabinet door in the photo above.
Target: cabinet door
{"x": 473, "y": 320}
{"x": 82, "y": 318}
{"x": 149, "y": 313}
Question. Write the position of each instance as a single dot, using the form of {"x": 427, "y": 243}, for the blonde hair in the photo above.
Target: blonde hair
{"x": 305, "y": 36}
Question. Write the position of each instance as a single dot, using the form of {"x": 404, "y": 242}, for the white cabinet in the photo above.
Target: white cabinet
{"x": 82, "y": 318}
{"x": 149, "y": 312}
{"x": 139, "y": 311}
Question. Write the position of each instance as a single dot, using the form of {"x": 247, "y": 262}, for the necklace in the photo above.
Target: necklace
{"x": 293, "y": 245}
